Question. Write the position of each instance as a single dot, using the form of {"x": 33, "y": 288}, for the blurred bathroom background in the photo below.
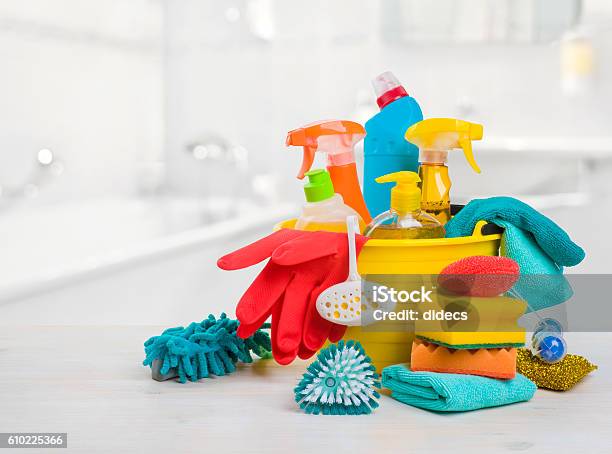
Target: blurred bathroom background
{"x": 142, "y": 139}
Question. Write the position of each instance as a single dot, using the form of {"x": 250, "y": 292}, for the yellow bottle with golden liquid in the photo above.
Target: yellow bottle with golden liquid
{"x": 435, "y": 137}
{"x": 405, "y": 220}
{"x": 324, "y": 210}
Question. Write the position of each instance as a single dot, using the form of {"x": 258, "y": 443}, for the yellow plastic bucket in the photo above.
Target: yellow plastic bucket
{"x": 427, "y": 256}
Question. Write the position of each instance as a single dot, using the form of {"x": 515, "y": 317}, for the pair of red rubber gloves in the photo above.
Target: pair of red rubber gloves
{"x": 301, "y": 265}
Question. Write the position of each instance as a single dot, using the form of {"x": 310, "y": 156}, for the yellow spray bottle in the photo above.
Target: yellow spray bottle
{"x": 405, "y": 220}
{"x": 435, "y": 137}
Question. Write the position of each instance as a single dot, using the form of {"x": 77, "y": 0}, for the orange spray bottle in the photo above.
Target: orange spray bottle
{"x": 336, "y": 138}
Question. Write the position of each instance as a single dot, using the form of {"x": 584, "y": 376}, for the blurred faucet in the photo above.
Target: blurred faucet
{"x": 219, "y": 149}
{"x": 215, "y": 149}
{"x": 46, "y": 167}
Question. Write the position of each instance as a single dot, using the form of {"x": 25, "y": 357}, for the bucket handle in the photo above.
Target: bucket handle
{"x": 484, "y": 228}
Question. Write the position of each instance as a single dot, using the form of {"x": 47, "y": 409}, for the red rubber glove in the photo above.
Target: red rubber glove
{"x": 302, "y": 265}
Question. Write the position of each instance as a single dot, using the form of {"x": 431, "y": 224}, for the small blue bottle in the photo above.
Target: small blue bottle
{"x": 547, "y": 342}
{"x": 385, "y": 148}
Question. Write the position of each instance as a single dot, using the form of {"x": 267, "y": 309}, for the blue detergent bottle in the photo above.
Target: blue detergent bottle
{"x": 385, "y": 148}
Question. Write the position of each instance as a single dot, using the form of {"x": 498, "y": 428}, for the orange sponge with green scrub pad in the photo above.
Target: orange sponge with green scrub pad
{"x": 479, "y": 275}
{"x": 475, "y": 340}
{"x": 493, "y": 362}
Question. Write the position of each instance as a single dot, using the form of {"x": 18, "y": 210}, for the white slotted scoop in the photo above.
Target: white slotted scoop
{"x": 341, "y": 303}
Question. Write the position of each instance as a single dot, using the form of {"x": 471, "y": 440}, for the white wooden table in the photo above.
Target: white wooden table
{"x": 88, "y": 381}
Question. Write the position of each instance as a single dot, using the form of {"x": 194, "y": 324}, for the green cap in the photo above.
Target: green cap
{"x": 319, "y": 186}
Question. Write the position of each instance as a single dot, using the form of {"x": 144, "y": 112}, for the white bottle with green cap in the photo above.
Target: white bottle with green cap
{"x": 324, "y": 209}
{"x": 404, "y": 220}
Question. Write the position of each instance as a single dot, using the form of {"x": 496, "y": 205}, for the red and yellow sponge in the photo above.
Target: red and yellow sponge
{"x": 484, "y": 344}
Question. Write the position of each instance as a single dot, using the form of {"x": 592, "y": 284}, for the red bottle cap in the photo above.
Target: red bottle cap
{"x": 388, "y": 89}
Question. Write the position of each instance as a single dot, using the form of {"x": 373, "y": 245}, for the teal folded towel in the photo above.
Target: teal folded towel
{"x": 541, "y": 282}
{"x": 536, "y": 243}
{"x": 454, "y": 392}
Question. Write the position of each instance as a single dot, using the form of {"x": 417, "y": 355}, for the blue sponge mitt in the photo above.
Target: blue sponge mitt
{"x": 210, "y": 347}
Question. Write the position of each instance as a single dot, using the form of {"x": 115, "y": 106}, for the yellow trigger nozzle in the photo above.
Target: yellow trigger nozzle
{"x": 474, "y": 132}
{"x": 436, "y": 136}
{"x": 405, "y": 195}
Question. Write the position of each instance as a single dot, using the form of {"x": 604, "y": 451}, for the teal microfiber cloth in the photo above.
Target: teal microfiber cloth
{"x": 541, "y": 282}
{"x": 200, "y": 350}
{"x": 454, "y": 392}
{"x": 535, "y": 242}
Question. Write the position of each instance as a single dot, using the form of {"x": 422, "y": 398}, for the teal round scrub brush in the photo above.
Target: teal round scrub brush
{"x": 210, "y": 347}
{"x": 342, "y": 381}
